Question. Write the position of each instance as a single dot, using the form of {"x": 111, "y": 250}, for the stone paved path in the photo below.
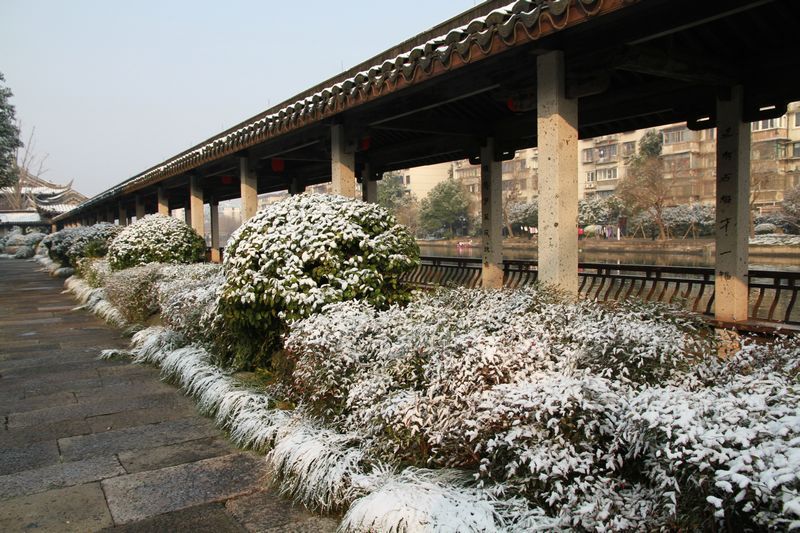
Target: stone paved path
{"x": 89, "y": 445}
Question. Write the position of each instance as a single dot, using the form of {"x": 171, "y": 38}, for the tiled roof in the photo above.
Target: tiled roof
{"x": 518, "y": 21}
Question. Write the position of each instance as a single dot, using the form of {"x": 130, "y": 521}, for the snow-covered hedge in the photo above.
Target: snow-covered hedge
{"x": 776, "y": 240}
{"x": 156, "y": 239}
{"x": 765, "y": 228}
{"x": 133, "y": 292}
{"x": 23, "y": 252}
{"x": 300, "y": 254}
{"x": 70, "y": 245}
{"x": 604, "y": 417}
{"x": 187, "y": 297}
{"x": 94, "y": 270}
{"x": 172, "y": 290}
{"x": 91, "y": 241}
{"x": 20, "y": 245}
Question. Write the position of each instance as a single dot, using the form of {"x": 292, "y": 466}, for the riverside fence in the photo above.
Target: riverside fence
{"x": 773, "y": 294}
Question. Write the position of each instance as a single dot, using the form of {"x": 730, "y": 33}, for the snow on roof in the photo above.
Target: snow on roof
{"x": 20, "y": 216}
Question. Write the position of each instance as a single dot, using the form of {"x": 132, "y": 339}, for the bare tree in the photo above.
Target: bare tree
{"x": 24, "y": 162}
{"x": 644, "y": 187}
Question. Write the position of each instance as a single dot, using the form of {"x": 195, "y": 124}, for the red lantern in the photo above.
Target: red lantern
{"x": 227, "y": 180}
{"x": 365, "y": 143}
{"x": 277, "y": 164}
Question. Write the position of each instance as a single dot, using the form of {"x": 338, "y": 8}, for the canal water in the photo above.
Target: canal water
{"x": 760, "y": 261}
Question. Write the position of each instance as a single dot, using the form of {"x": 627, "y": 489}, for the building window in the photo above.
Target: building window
{"x": 408, "y": 179}
{"x": 673, "y": 163}
{"x": 604, "y": 174}
{"x": 797, "y": 120}
{"x": 676, "y": 136}
{"x": 628, "y": 148}
{"x": 768, "y": 124}
{"x": 796, "y": 148}
{"x": 590, "y": 176}
{"x": 606, "y": 153}
{"x": 588, "y": 155}
{"x": 473, "y": 189}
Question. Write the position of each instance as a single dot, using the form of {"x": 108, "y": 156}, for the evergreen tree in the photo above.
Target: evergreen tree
{"x": 445, "y": 207}
{"x": 9, "y": 138}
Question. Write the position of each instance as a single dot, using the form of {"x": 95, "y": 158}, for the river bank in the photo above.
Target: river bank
{"x": 687, "y": 252}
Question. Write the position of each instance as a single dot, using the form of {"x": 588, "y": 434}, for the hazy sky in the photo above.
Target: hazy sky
{"x": 115, "y": 87}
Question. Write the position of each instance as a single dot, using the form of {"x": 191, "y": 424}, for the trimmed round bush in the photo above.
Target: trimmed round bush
{"x": 300, "y": 254}
{"x": 24, "y": 252}
{"x": 19, "y": 242}
{"x": 70, "y": 245}
{"x": 156, "y": 239}
{"x": 91, "y": 241}
{"x": 766, "y": 228}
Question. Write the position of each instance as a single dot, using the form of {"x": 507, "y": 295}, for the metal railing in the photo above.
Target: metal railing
{"x": 773, "y": 294}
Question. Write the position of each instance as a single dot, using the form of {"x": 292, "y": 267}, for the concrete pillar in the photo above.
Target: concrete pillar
{"x": 214, "y": 215}
{"x": 296, "y": 186}
{"x": 139, "y": 207}
{"x": 163, "y": 202}
{"x": 53, "y": 228}
{"x": 249, "y": 187}
{"x": 369, "y": 188}
{"x": 196, "y": 206}
{"x": 558, "y": 170}
{"x": 343, "y": 164}
{"x": 491, "y": 217}
{"x": 110, "y": 216}
{"x": 123, "y": 215}
{"x": 733, "y": 218}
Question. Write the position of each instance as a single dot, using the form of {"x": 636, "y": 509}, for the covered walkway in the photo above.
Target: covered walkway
{"x": 87, "y": 445}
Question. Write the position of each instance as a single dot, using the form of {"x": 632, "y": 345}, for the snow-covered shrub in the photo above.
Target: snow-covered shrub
{"x": 605, "y": 417}
{"x": 592, "y": 231}
{"x": 94, "y": 271}
{"x": 156, "y": 239}
{"x": 22, "y": 245}
{"x": 133, "y": 291}
{"x": 300, "y": 254}
{"x": 91, "y": 241}
{"x": 766, "y": 229}
{"x": 412, "y": 377}
{"x": 729, "y": 453}
{"x": 58, "y": 244}
{"x": 186, "y": 294}
{"x": 776, "y": 240}
{"x": 23, "y": 252}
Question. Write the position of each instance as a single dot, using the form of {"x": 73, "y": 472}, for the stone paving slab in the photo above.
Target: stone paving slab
{"x": 80, "y": 508}
{"x": 83, "y": 410}
{"x": 163, "y": 412}
{"x": 17, "y": 437}
{"x": 59, "y": 475}
{"x": 128, "y": 389}
{"x": 261, "y": 512}
{"x": 209, "y": 517}
{"x": 136, "y": 438}
{"x": 175, "y": 454}
{"x": 23, "y": 405}
{"x": 27, "y": 457}
{"x": 138, "y": 496}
